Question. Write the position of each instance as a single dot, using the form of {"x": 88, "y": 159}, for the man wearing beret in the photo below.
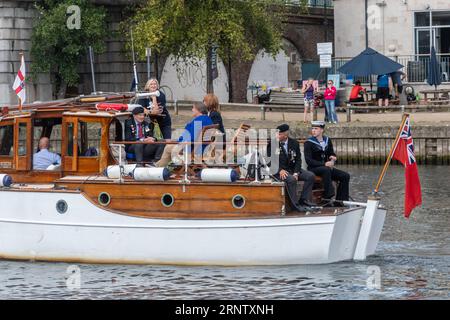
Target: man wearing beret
{"x": 289, "y": 168}
{"x": 137, "y": 129}
{"x": 321, "y": 159}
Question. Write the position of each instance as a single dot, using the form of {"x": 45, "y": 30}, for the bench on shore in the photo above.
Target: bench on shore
{"x": 284, "y": 101}
{"x": 285, "y": 98}
{"x": 353, "y": 107}
{"x": 178, "y": 104}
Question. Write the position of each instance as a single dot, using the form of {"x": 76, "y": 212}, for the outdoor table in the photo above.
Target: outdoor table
{"x": 436, "y": 93}
{"x": 370, "y": 96}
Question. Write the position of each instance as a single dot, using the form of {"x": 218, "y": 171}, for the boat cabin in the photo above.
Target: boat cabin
{"x": 81, "y": 137}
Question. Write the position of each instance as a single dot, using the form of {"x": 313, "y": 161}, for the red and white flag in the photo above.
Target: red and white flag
{"x": 19, "y": 83}
{"x": 404, "y": 152}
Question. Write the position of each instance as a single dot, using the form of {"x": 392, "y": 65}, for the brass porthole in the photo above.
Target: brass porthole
{"x": 167, "y": 200}
{"x": 104, "y": 199}
{"x": 238, "y": 201}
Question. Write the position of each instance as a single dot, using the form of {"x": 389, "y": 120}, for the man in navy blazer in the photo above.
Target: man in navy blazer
{"x": 289, "y": 168}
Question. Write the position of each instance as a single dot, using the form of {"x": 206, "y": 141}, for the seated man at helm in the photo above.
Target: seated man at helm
{"x": 44, "y": 158}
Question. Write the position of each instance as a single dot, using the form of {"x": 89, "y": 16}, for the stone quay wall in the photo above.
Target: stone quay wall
{"x": 370, "y": 144}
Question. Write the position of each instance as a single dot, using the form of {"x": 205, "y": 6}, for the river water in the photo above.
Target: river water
{"x": 412, "y": 262}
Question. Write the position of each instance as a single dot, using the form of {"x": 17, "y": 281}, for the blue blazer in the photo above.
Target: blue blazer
{"x": 193, "y": 129}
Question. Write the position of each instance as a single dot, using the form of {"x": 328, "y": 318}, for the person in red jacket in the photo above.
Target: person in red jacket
{"x": 356, "y": 95}
{"x": 330, "y": 97}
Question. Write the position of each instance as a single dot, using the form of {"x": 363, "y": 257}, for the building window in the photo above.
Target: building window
{"x": 436, "y": 33}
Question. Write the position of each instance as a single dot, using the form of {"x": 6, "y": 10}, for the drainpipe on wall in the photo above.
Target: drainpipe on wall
{"x": 367, "y": 28}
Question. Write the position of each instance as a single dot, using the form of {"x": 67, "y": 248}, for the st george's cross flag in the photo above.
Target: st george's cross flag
{"x": 404, "y": 152}
{"x": 19, "y": 83}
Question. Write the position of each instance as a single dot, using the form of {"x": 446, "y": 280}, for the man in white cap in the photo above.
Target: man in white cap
{"x": 287, "y": 167}
{"x": 321, "y": 159}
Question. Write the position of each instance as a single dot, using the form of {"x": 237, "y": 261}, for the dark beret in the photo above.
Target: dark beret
{"x": 138, "y": 110}
{"x": 283, "y": 127}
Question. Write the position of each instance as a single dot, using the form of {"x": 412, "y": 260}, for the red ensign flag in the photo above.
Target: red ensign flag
{"x": 404, "y": 152}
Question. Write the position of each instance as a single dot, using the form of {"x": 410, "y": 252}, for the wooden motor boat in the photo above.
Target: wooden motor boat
{"x": 75, "y": 213}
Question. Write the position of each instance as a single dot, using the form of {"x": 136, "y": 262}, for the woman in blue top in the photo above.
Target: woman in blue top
{"x": 191, "y": 132}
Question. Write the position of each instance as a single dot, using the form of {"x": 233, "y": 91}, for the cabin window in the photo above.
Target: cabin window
{"x": 115, "y": 131}
{"x": 70, "y": 139}
{"x": 7, "y": 140}
{"x": 89, "y": 137}
{"x": 116, "y": 134}
{"x": 50, "y": 128}
{"x": 22, "y": 139}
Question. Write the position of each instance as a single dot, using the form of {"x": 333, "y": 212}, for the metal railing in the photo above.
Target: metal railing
{"x": 312, "y": 3}
{"x": 415, "y": 67}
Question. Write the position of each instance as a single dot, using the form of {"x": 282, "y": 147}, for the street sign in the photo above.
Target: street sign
{"x": 325, "y": 61}
{"x": 325, "y": 48}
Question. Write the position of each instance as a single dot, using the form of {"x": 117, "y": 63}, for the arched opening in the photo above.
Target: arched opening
{"x": 284, "y": 71}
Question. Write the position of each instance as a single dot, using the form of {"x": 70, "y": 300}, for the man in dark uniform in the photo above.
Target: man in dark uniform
{"x": 288, "y": 168}
{"x": 137, "y": 129}
{"x": 321, "y": 159}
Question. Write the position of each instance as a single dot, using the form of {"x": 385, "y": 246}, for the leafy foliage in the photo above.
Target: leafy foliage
{"x": 188, "y": 28}
{"x": 56, "y": 48}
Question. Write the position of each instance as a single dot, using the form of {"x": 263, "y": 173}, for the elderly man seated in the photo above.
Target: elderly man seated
{"x": 43, "y": 159}
{"x": 139, "y": 130}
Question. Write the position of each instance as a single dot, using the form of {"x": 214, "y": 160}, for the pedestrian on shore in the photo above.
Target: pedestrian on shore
{"x": 357, "y": 93}
{"x": 384, "y": 82}
{"x": 308, "y": 91}
{"x": 397, "y": 81}
{"x": 330, "y": 98}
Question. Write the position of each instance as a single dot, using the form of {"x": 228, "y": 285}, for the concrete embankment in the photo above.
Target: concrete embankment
{"x": 367, "y": 140}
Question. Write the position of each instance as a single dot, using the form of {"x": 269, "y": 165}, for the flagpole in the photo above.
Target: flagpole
{"x": 391, "y": 153}
{"x": 20, "y": 100}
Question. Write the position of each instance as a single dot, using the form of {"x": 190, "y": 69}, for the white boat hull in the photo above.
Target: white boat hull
{"x": 32, "y": 229}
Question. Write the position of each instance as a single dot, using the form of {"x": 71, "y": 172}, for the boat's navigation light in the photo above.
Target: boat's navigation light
{"x": 238, "y": 201}
{"x": 104, "y": 199}
{"x": 167, "y": 200}
{"x": 61, "y": 206}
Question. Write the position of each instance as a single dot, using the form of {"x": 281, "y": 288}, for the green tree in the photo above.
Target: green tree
{"x": 57, "y": 43}
{"x": 189, "y": 28}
